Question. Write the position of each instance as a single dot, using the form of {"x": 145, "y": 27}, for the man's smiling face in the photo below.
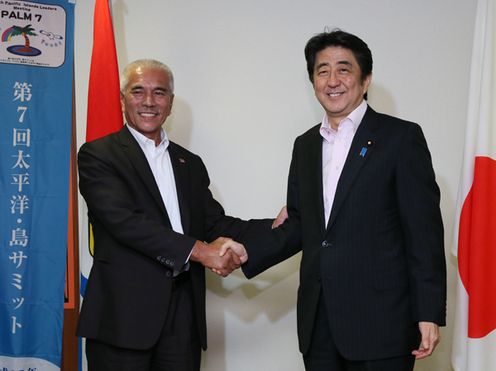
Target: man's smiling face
{"x": 147, "y": 100}
{"x": 337, "y": 82}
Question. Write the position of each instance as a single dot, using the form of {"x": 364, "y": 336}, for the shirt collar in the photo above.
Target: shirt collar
{"x": 355, "y": 117}
{"x": 144, "y": 141}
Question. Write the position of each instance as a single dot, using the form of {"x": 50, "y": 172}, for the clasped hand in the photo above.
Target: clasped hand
{"x": 222, "y": 256}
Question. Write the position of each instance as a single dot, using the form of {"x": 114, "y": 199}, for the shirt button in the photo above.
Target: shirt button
{"x": 324, "y": 243}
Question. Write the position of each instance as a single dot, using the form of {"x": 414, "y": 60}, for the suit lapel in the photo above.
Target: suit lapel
{"x": 182, "y": 178}
{"x": 137, "y": 158}
{"x": 313, "y": 174}
{"x": 361, "y": 149}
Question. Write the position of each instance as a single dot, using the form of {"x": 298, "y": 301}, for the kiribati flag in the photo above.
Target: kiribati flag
{"x": 104, "y": 115}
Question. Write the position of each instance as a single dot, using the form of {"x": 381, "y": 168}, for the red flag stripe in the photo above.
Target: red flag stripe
{"x": 104, "y": 110}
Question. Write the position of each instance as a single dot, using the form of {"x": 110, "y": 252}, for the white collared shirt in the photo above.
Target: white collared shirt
{"x": 160, "y": 163}
{"x": 335, "y": 147}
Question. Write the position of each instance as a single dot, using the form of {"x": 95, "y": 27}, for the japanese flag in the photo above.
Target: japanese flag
{"x": 474, "y": 343}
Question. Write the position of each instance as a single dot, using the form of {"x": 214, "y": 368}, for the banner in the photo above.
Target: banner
{"x": 36, "y": 72}
{"x": 475, "y": 315}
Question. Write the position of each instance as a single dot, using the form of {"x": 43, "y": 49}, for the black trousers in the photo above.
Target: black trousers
{"x": 178, "y": 348}
{"x": 324, "y": 355}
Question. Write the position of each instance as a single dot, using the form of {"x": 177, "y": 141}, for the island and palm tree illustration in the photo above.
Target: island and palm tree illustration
{"x": 26, "y": 49}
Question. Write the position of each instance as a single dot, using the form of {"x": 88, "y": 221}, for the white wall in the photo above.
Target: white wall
{"x": 242, "y": 96}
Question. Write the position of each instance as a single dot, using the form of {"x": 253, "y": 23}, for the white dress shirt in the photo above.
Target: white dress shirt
{"x": 335, "y": 148}
{"x": 160, "y": 163}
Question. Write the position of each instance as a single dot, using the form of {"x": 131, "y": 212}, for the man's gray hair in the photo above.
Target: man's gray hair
{"x": 145, "y": 63}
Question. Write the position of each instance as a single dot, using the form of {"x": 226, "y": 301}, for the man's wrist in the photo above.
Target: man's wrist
{"x": 197, "y": 252}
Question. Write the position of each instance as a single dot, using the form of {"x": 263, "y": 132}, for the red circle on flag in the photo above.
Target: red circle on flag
{"x": 477, "y": 248}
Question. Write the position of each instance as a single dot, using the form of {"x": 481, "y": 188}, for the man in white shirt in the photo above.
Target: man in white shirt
{"x": 151, "y": 210}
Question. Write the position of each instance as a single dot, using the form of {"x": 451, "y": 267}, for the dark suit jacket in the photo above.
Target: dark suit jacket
{"x": 379, "y": 263}
{"x": 136, "y": 250}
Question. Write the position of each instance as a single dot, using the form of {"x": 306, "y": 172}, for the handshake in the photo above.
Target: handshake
{"x": 224, "y": 255}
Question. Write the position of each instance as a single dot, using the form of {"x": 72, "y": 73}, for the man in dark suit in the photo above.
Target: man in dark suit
{"x": 151, "y": 209}
{"x": 363, "y": 207}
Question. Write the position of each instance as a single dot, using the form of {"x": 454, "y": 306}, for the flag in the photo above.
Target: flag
{"x": 104, "y": 114}
{"x": 104, "y": 108}
{"x": 475, "y": 314}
